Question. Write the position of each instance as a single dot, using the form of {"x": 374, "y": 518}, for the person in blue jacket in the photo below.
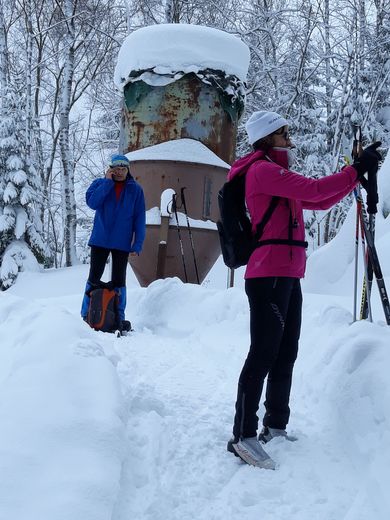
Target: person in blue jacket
{"x": 118, "y": 227}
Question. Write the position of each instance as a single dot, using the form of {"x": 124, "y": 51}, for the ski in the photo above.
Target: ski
{"x": 183, "y": 203}
{"x": 373, "y": 257}
{"x": 174, "y": 209}
{"x": 366, "y": 259}
{"x": 367, "y": 282}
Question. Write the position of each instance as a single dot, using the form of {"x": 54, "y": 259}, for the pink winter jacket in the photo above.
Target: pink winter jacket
{"x": 265, "y": 179}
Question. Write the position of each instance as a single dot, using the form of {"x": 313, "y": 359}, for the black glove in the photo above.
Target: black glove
{"x": 368, "y": 160}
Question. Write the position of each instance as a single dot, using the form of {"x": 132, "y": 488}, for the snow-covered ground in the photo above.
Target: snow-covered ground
{"x": 95, "y": 427}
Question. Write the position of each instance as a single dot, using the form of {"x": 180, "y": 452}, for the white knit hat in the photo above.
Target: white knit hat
{"x": 263, "y": 123}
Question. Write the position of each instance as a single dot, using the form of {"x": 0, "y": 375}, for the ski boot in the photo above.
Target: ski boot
{"x": 267, "y": 434}
{"x": 250, "y": 451}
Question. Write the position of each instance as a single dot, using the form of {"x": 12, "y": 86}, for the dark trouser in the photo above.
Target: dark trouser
{"x": 275, "y": 323}
{"x": 99, "y": 257}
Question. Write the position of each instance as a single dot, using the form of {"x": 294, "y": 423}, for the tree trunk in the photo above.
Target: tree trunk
{"x": 328, "y": 78}
{"x": 362, "y": 36}
{"x": 3, "y": 56}
{"x": 67, "y": 177}
{"x": 29, "y": 123}
{"x": 172, "y": 11}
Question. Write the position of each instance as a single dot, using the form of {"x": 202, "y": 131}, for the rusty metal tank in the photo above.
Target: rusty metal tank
{"x": 187, "y": 108}
{"x": 183, "y": 95}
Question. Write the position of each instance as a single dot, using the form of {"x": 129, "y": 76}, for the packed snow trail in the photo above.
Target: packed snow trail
{"x": 180, "y": 390}
{"x": 156, "y": 448}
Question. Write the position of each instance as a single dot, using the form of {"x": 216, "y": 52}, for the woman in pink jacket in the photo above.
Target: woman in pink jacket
{"x": 272, "y": 277}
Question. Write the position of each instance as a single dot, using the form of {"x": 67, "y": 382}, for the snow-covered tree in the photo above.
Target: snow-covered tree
{"x": 21, "y": 237}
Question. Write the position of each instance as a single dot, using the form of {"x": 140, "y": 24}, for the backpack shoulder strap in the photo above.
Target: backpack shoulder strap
{"x": 271, "y": 208}
{"x": 267, "y": 215}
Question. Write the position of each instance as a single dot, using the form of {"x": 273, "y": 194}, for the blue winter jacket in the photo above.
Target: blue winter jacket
{"x": 117, "y": 224}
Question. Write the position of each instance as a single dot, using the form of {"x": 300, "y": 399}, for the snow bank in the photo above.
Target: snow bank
{"x": 183, "y": 150}
{"x": 329, "y": 264}
{"x": 172, "y": 48}
{"x": 61, "y": 435}
{"x": 343, "y": 384}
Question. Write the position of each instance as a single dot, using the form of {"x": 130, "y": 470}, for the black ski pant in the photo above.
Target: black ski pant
{"x": 99, "y": 257}
{"x": 275, "y": 322}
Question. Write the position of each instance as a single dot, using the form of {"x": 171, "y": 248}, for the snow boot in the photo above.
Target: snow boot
{"x": 122, "y": 301}
{"x": 122, "y": 293}
{"x": 126, "y": 326}
{"x": 267, "y": 434}
{"x": 250, "y": 451}
{"x": 86, "y": 300}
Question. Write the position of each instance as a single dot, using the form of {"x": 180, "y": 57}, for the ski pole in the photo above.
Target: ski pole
{"x": 356, "y": 265}
{"x": 356, "y": 152}
{"x": 230, "y": 278}
{"x": 365, "y": 255}
{"x": 174, "y": 208}
{"x": 183, "y": 201}
{"x": 372, "y": 202}
{"x": 371, "y": 249}
{"x": 354, "y": 155}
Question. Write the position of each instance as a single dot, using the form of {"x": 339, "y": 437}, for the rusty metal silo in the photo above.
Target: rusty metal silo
{"x": 187, "y": 108}
{"x": 179, "y": 126}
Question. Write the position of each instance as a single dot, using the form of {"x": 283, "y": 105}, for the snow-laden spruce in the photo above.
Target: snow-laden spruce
{"x": 21, "y": 234}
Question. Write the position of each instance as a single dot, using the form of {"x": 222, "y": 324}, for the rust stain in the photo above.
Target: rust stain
{"x": 139, "y": 126}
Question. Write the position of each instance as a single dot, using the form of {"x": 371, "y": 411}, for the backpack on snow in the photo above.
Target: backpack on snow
{"x": 235, "y": 229}
{"x": 103, "y": 309}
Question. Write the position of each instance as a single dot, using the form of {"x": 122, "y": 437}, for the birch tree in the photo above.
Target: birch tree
{"x": 74, "y": 48}
{"x": 67, "y": 174}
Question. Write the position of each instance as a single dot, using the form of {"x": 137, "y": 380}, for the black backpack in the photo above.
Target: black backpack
{"x": 234, "y": 228}
{"x": 103, "y": 311}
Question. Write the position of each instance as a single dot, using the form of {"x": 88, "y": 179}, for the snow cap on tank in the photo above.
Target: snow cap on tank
{"x": 166, "y": 49}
